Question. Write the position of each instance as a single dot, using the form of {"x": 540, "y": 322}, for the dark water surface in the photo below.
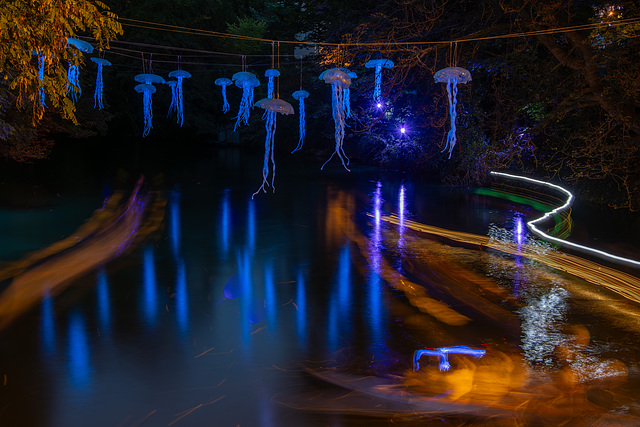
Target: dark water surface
{"x": 213, "y": 316}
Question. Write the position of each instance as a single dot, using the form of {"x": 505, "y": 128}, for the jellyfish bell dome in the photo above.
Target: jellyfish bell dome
{"x": 101, "y": 61}
{"x": 336, "y": 76}
{"x": 300, "y": 94}
{"x": 384, "y": 63}
{"x": 180, "y": 74}
{"x": 171, "y": 82}
{"x": 148, "y": 78}
{"x": 223, "y": 81}
{"x": 272, "y": 72}
{"x": 275, "y": 105}
{"x": 352, "y": 74}
{"x": 82, "y": 46}
{"x": 244, "y": 77}
{"x": 143, "y": 87}
{"x": 458, "y": 74}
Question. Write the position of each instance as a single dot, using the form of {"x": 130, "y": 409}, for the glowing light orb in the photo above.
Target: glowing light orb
{"x": 339, "y": 80}
{"x": 97, "y": 94}
{"x": 223, "y": 82}
{"x": 179, "y": 75}
{"x": 403, "y": 130}
{"x": 452, "y": 76}
{"x": 378, "y": 65}
{"x": 300, "y": 96}
{"x": 247, "y": 82}
{"x": 271, "y": 107}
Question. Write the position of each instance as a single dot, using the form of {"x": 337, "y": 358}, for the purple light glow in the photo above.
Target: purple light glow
{"x": 403, "y": 130}
{"x": 379, "y": 105}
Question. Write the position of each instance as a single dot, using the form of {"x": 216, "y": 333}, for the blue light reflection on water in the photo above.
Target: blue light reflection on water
{"x": 149, "y": 298}
{"x": 278, "y": 252}
{"x": 78, "y": 352}
{"x": 104, "y": 302}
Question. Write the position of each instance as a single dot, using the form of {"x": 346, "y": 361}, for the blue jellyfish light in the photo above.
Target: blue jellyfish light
{"x": 452, "y": 76}
{"x": 270, "y": 74}
{"x": 271, "y": 107}
{"x": 97, "y": 94}
{"x": 73, "y": 73}
{"x": 346, "y": 91}
{"x": 41, "y": 64}
{"x": 378, "y": 64}
{"x": 247, "y": 82}
{"x": 179, "y": 75}
{"x": 173, "y": 107}
{"x": 339, "y": 80}
{"x": 442, "y": 355}
{"x": 300, "y": 95}
{"x": 223, "y": 82}
{"x": 147, "y": 89}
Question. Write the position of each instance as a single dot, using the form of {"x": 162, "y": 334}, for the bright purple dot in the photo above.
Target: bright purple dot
{"x": 379, "y": 105}
{"x": 402, "y": 130}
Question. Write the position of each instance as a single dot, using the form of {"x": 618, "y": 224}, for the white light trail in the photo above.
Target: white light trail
{"x": 532, "y": 224}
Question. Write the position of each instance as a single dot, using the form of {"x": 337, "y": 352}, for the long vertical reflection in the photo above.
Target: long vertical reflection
{"x": 270, "y": 295}
{"x": 340, "y": 305}
{"x": 401, "y": 226}
{"x": 182, "y": 298}
{"x": 301, "y": 302}
{"x": 244, "y": 276}
{"x": 48, "y": 326}
{"x": 225, "y": 223}
{"x": 375, "y": 283}
{"x": 174, "y": 222}
{"x": 251, "y": 225}
{"x": 518, "y": 233}
{"x": 78, "y": 352}
{"x": 104, "y": 303}
{"x": 150, "y": 296}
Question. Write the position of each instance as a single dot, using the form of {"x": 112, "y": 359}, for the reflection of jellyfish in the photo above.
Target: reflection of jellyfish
{"x": 247, "y": 82}
{"x": 339, "y": 80}
{"x": 441, "y": 354}
{"x": 146, "y": 91}
{"x": 223, "y": 82}
{"x": 270, "y": 74}
{"x": 346, "y": 101}
{"x": 78, "y": 352}
{"x": 173, "y": 106}
{"x": 270, "y": 295}
{"x": 97, "y": 94}
{"x": 48, "y": 325}
{"x": 378, "y": 64}
{"x": 104, "y": 306}
{"x": 73, "y": 73}
{"x": 271, "y": 107}
{"x": 300, "y": 95}
{"x": 452, "y": 76}
{"x": 179, "y": 75}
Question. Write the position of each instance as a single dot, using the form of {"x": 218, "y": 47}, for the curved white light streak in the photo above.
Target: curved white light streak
{"x": 532, "y": 224}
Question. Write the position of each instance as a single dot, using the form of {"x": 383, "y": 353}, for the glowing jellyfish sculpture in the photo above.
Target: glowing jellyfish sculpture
{"x": 73, "y": 73}
{"x": 147, "y": 89}
{"x": 346, "y": 91}
{"x": 339, "y": 80}
{"x": 97, "y": 94}
{"x": 173, "y": 106}
{"x": 300, "y": 96}
{"x": 378, "y": 64}
{"x": 247, "y": 82}
{"x": 270, "y": 74}
{"x": 442, "y": 355}
{"x": 271, "y": 107}
{"x": 452, "y": 76}
{"x": 223, "y": 82}
{"x": 40, "y": 77}
{"x": 179, "y": 75}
